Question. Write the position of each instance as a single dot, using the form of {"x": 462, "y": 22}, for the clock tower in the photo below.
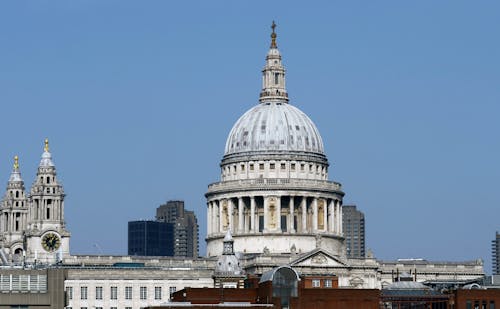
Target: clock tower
{"x": 47, "y": 239}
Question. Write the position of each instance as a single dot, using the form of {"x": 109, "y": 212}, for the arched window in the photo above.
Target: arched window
{"x": 17, "y": 193}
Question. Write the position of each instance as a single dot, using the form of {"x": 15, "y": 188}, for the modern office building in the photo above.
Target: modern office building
{"x": 353, "y": 222}
{"x": 495, "y": 254}
{"x": 150, "y": 238}
{"x": 185, "y": 227}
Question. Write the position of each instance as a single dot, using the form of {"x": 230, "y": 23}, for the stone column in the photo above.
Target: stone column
{"x": 209, "y": 218}
{"x": 337, "y": 217}
{"x": 216, "y": 227}
{"x": 278, "y": 213}
{"x": 303, "y": 205}
{"x": 291, "y": 207}
{"x": 246, "y": 224}
{"x": 221, "y": 226}
{"x": 214, "y": 212}
{"x": 240, "y": 214}
{"x": 325, "y": 216}
{"x": 315, "y": 215}
{"x": 230, "y": 207}
{"x": 252, "y": 213}
{"x": 266, "y": 209}
{"x": 330, "y": 216}
{"x": 340, "y": 220}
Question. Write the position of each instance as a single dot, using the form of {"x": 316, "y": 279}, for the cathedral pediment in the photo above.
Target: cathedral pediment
{"x": 318, "y": 258}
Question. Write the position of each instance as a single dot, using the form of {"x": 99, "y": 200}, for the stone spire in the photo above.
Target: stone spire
{"x": 46, "y": 233}
{"x": 228, "y": 244}
{"x": 46, "y": 156}
{"x": 15, "y": 187}
{"x": 273, "y": 75}
{"x": 13, "y": 215}
{"x": 228, "y": 271}
{"x": 15, "y": 176}
{"x": 47, "y": 192}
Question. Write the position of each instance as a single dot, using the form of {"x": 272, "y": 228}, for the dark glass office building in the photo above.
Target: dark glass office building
{"x": 353, "y": 222}
{"x": 150, "y": 238}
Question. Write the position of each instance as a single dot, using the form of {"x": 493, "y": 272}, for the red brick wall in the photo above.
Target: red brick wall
{"x": 479, "y": 296}
{"x": 215, "y": 296}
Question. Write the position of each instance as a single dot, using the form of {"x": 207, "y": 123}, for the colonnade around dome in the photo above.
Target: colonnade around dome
{"x": 274, "y": 212}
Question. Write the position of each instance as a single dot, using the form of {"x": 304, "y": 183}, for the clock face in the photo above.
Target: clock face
{"x": 51, "y": 242}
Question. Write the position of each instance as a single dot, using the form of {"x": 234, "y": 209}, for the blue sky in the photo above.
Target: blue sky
{"x": 137, "y": 98}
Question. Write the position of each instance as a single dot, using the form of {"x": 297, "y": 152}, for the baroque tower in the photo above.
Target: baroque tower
{"x": 46, "y": 237}
{"x": 13, "y": 216}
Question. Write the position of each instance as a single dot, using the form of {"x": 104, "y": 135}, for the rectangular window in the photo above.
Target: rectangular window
{"x": 492, "y": 304}
{"x": 98, "y": 307}
{"x": 172, "y": 290}
{"x": 276, "y": 78}
{"x": 328, "y": 283}
{"x": 283, "y": 166}
{"x": 143, "y": 292}
{"x": 83, "y": 292}
{"x": 114, "y": 293}
{"x": 113, "y": 308}
{"x": 261, "y": 166}
{"x": 271, "y": 166}
{"x": 98, "y": 292}
{"x": 292, "y": 166}
{"x": 251, "y": 166}
{"x": 316, "y": 283}
{"x": 157, "y": 292}
{"x": 128, "y": 292}
{"x": 242, "y": 167}
{"x": 69, "y": 292}
{"x": 302, "y": 166}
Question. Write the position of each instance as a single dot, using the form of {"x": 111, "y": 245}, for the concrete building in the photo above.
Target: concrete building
{"x": 150, "y": 238}
{"x": 495, "y": 254}
{"x": 185, "y": 227}
{"x": 33, "y": 288}
{"x": 353, "y": 222}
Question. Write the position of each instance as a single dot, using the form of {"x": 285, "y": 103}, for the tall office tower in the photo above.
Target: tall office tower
{"x": 495, "y": 254}
{"x": 353, "y": 222}
{"x": 150, "y": 238}
{"x": 185, "y": 227}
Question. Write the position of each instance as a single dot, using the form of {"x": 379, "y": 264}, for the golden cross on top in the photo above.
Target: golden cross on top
{"x": 273, "y": 36}
{"x": 16, "y": 162}
{"x": 46, "y": 147}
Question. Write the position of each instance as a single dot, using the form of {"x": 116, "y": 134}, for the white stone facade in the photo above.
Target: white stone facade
{"x": 32, "y": 227}
{"x": 274, "y": 194}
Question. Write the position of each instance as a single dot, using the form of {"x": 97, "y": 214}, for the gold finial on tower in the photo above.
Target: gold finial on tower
{"x": 46, "y": 147}
{"x": 16, "y": 162}
{"x": 273, "y": 36}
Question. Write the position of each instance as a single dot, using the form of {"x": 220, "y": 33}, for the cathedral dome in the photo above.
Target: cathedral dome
{"x": 272, "y": 127}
